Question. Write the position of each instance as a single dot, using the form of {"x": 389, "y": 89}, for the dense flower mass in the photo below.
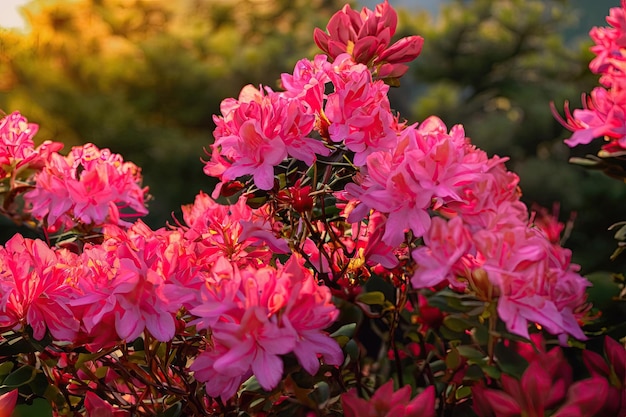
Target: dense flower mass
{"x": 342, "y": 247}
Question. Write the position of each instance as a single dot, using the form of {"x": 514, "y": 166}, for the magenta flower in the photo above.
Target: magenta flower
{"x": 366, "y": 37}
{"x": 35, "y": 290}
{"x": 387, "y": 403}
{"x": 97, "y": 407}
{"x": 545, "y": 386}
{"x": 612, "y": 369}
{"x": 8, "y": 402}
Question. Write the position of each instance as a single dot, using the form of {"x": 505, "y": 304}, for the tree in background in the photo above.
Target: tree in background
{"x": 144, "y": 77}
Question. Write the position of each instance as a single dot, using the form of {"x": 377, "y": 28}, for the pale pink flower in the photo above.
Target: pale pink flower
{"x": 35, "y": 290}
{"x": 366, "y": 37}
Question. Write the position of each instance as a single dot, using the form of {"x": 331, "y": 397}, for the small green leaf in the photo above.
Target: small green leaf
{"x": 19, "y": 377}
{"x": 471, "y": 353}
{"x": 453, "y": 359}
{"x": 509, "y": 361}
{"x": 372, "y": 298}
{"x": 463, "y": 392}
{"x": 456, "y": 324}
{"x": 347, "y": 330}
{"x": 5, "y": 369}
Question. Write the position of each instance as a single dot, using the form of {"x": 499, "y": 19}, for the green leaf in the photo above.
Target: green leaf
{"x": 5, "y": 369}
{"x": 470, "y": 353}
{"x": 457, "y": 324}
{"x": 509, "y": 361}
{"x": 346, "y": 330}
{"x": 453, "y": 359}
{"x": 463, "y": 392}
{"x": 19, "y": 377}
{"x": 372, "y": 298}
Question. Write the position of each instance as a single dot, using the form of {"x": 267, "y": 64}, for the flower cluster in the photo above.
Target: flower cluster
{"x": 89, "y": 186}
{"x": 604, "y": 111}
{"x": 342, "y": 247}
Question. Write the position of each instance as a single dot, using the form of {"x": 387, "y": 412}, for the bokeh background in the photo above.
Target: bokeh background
{"x": 144, "y": 77}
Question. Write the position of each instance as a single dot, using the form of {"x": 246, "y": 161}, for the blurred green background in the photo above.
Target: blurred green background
{"x": 144, "y": 78}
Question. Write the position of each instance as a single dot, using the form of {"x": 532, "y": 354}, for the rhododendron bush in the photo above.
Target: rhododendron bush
{"x": 349, "y": 262}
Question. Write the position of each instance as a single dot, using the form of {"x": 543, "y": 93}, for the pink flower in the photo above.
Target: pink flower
{"x": 366, "y": 37}
{"x": 256, "y": 315}
{"x": 89, "y": 186}
{"x": 387, "y": 403}
{"x": 546, "y": 385}
{"x": 258, "y": 131}
{"x": 8, "y": 402}
{"x": 536, "y": 281}
{"x": 610, "y": 42}
{"x": 17, "y": 148}
{"x": 97, "y": 407}
{"x": 121, "y": 281}
{"x": 426, "y": 170}
{"x": 359, "y": 113}
{"x": 444, "y": 245}
{"x": 613, "y": 369}
{"x": 35, "y": 290}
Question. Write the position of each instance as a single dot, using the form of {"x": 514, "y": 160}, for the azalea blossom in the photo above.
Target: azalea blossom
{"x": 257, "y": 315}
{"x": 366, "y": 36}
{"x": 35, "y": 290}
{"x": 90, "y": 186}
{"x": 17, "y": 148}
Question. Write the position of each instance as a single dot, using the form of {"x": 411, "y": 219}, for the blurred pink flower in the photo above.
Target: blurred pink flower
{"x": 97, "y": 407}
{"x": 387, "y": 403}
{"x": 612, "y": 368}
{"x": 8, "y": 402}
{"x": 546, "y": 385}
